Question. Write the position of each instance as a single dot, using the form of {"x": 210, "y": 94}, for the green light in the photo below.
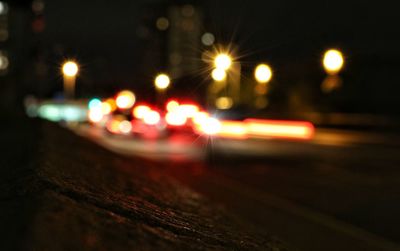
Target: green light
{"x": 94, "y": 103}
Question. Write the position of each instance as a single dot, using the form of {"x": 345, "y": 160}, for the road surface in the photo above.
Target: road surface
{"x": 339, "y": 192}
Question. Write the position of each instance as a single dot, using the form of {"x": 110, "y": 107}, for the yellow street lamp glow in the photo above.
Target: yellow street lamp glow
{"x": 223, "y": 61}
{"x": 70, "y": 69}
{"x": 263, "y": 73}
{"x": 218, "y": 74}
{"x": 162, "y": 81}
{"x": 333, "y": 61}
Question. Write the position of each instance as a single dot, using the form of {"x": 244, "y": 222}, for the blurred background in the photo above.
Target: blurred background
{"x": 285, "y": 112}
{"x": 125, "y": 45}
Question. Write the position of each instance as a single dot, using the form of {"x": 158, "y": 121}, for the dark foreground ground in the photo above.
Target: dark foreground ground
{"x": 61, "y": 192}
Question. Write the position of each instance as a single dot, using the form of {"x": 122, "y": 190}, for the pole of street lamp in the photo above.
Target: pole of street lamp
{"x": 226, "y": 74}
{"x": 162, "y": 83}
{"x": 69, "y": 87}
{"x": 70, "y": 70}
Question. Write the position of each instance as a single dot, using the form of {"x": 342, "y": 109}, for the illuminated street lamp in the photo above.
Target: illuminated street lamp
{"x": 70, "y": 70}
{"x": 223, "y": 61}
{"x": 333, "y": 61}
{"x": 263, "y": 73}
{"x": 162, "y": 82}
{"x": 226, "y": 75}
{"x": 218, "y": 74}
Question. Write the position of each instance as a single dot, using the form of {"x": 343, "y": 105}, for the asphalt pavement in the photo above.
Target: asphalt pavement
{"x": 59, "y": 191}
{"x": 338, "y": 192}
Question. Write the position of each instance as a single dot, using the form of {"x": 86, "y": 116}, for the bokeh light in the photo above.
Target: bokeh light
{"x": 175, "y": 118}
{"x": 223, "y": 61}
{"x": 172, "y": 105}
{"x": 162, "y": 81}
{"x": 3, "y": 8}
{"x": 94, "y": 103}
{"x": 95, "y": 115}
{"x": 70, "y": 69}
{"x": 140, "y": 111}
{"x": 210, "y": 126}
{"x": 200, "y": 118}
{"x": 125, "y": 127}
{"x": 224, "y": 103}
{"x": 187, "y": 110}
{"x": 106, "y": 108}
{"x": 113, "y": 125}
{"x": 151, "y": 118}
{"x": 111, "y": 102}
{"x": 333, "y": 61}
{"x": 125, "y": 99}
{"x": 162, "y": 23}
{"x": 208, "y": 39}
{"x": 263, "y": 73}
{"x": 218, "y": 74}
{"x": 3, "y": 62}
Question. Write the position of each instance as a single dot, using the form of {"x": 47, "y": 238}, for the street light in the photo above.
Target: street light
{"x": 218, "y": 74}
{"x": 333, "y": 61}
{"x": 162, "y": 82}
{"x": 226, "y": 75}
{"x": 223, "y": 61}
{"x": 263, "y": 73}
{"x": 70, "y": 69}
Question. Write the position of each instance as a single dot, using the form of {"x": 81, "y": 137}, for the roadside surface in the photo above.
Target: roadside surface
{"x": 61, "y": 192}
{"x": 340, "y": 193}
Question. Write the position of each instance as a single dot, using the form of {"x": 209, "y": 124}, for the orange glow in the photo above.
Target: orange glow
{"x": 125, "y": 99}
{"x": 95, "y": 115}
{"x": 140, "y": 111}
{"x": 172, "y": 105}
{"x": 233, "y": 129}
{"x": 151, "y": 118}
{"x": 113, "y": 126}
{"x": 256, "y": 128}
{"x": 175, "y": 119}
{"x": 111, "y": 103}
{"x": 279, "y": 129}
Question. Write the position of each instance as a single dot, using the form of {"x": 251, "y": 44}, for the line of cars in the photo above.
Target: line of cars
{"x": 123, "y": 115}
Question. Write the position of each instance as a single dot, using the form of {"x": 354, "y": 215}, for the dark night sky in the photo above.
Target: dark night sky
{"x": 369, "y": 26}
{"x": 282, "y": 31}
